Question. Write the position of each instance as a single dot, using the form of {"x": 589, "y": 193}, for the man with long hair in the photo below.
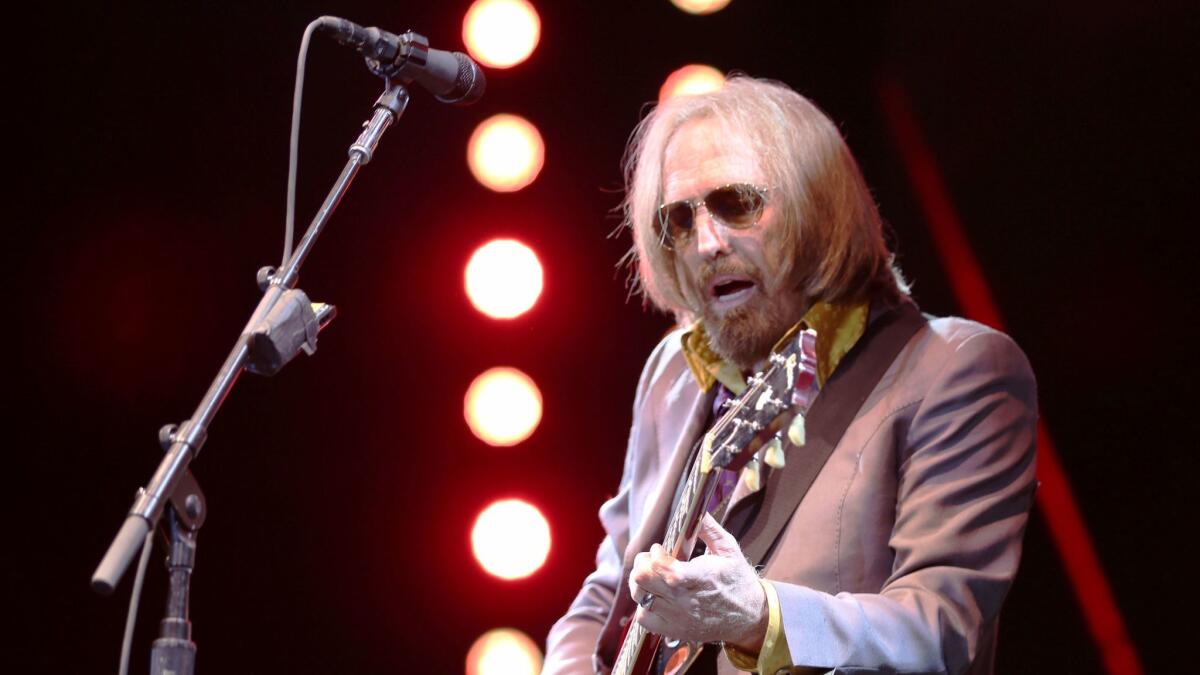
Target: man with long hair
{"x": 751, "y": 218}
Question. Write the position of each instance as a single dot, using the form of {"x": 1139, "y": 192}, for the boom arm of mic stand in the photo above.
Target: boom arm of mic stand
{"x": 186, "y": 441}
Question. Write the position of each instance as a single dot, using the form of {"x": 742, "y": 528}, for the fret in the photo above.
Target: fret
{"x": 630, "y": 649}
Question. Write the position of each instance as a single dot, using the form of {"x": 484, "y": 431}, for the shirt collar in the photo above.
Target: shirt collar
{"x": 838, "y": 329}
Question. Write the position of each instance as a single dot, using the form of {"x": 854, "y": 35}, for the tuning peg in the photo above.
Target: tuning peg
{"x": 796, "y": 430}
{"x": 773, "y": 453}
{"x": 752, "y": 475}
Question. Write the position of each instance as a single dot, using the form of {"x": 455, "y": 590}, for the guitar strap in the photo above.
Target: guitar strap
{"x": 831, "y": 413}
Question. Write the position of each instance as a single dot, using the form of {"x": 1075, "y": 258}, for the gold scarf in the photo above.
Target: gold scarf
{"x": 838, "y": 329}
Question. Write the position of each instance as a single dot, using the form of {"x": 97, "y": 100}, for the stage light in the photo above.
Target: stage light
{"x": 503, "y": 278}
{"x": 501, "y": 33}
{"x": 505, "y": 153}
{"x": 700, "y": 6}
{"x": 691, "y": 80}
{"x": 502, "y": 406}
{"x": 511, "y": 539}
{"x": 504, "y": 651}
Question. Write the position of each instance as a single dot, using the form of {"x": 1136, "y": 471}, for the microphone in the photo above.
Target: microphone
{"x": 451, "y": 76}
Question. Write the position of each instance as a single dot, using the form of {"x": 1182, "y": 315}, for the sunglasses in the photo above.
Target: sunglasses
{"x": 737, "y": 205}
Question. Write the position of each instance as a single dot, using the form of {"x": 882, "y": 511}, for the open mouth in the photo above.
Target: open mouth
{"x": 730, "y": 290}
{"x": 731, "y": 287}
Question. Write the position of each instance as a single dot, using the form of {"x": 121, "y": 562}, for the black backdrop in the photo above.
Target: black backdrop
{"x": 148, "y": 144}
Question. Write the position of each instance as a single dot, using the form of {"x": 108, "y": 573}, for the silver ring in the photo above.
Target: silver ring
{"x": 646, "y": 600}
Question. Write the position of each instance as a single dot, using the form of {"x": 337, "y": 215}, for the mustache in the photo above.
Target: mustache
{"x": 725, "y": 266}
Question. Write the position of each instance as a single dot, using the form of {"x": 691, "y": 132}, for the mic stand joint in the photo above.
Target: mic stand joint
{"x": 174, "y": 652}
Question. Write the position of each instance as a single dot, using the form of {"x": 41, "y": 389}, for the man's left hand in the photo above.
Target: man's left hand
{"x": 715, "y": 597}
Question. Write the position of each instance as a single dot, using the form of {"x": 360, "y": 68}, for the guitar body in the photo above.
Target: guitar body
{"x": 679, "y": 655}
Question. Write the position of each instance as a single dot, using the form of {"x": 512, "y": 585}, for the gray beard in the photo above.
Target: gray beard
{"x": 745, "y": 336}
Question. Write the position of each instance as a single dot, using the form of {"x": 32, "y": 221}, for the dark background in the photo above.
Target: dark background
{"x": 148, "y": 144}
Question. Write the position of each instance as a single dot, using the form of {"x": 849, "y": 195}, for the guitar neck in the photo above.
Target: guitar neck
{"x": 683, "y": 518}
{"x": 631, "y": 649}
{"x": 768, "y": 403}
{"x": 686, "y": 515}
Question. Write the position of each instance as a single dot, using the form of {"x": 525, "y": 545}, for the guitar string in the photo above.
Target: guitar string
{"x": 637, "y": 632}
{"x": 675, "y": 526}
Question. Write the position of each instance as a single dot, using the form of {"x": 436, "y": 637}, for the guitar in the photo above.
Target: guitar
{"x": 751, "y": 429}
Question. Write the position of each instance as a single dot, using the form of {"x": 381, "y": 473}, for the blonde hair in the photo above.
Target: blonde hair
{"x": 831, "y": 224}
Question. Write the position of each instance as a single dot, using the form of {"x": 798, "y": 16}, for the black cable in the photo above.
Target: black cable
{"x": 294, "y": 143}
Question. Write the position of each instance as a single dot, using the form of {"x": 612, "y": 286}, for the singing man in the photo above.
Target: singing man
{"x": 889, "y": 539}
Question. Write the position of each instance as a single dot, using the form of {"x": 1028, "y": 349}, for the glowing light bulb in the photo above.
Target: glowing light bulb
{"x": 511, "y": 539}
{"x": 504, "y": 278}
{"x": 691, "y": 80}
{"x": 501, "y": 33}
{"x": 505, "y": 153}
{"x": 502, "y": 406}
{"x": 700, "y": 6}
{"x": 504, "y": 651}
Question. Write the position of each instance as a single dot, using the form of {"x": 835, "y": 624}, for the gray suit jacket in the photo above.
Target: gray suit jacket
{"x": 899, "y": 557}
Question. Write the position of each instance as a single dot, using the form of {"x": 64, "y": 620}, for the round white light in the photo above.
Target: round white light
{"x": 505, "y": 153}
{"x": 501, "y": 33}
{"x": 700, "y": 6}
{"x": 504, "y": 651}
{"x": 502, "y": 406}
{"x": 511, "y": 539}
{"x": 691, "y": 80}
{"x": 504, "y": 278}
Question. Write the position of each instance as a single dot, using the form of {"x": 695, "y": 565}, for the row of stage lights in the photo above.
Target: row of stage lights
{"x": 503, "y": 406}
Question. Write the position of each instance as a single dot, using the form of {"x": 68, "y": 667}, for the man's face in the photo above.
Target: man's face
{"x": 734, "y": 277}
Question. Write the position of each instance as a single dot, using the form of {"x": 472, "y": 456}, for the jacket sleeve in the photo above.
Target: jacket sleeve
{"x": 572, "y": 640}
{"x": 965, "y": 487}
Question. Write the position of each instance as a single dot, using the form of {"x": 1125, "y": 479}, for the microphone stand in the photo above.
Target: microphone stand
{"x": 174, "y": 653}
{"x": 284, "y": 323}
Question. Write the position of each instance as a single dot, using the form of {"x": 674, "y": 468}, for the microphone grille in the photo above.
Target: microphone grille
{"x": 470, "y": 83}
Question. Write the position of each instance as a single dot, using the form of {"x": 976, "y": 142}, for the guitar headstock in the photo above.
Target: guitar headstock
{"x": 771, "y": 402}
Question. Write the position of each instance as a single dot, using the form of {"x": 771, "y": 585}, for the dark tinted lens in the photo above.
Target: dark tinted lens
{"x": 735, "y": 205}
{"x": 676, "y": 219}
